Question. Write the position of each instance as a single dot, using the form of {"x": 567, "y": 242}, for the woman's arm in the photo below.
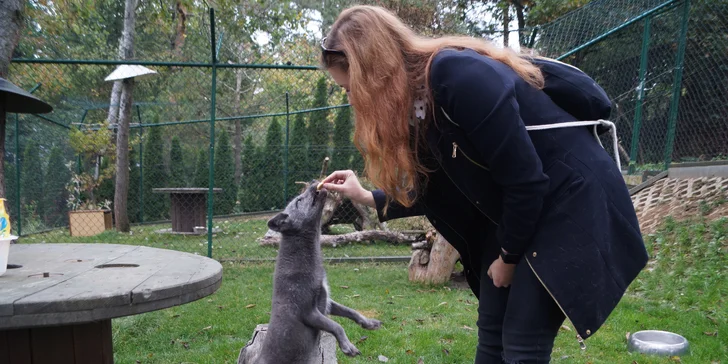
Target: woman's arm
{"x": 479, "y": 94}
{"x": 395, "y": 210}
{"x": 346, "y": 183}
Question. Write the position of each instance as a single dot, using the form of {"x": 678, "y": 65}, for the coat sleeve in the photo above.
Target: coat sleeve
{"x": 479, "y": 94}
{"x": 395, "y": 210}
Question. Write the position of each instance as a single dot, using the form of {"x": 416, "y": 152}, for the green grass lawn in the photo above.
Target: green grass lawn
{"x": 237, "y": 239}
{"x": 682, "y": 291}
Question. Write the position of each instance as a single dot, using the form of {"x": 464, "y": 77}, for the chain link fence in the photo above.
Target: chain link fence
{"x": 217, "y": 147}
{"x": 663, "y": 64}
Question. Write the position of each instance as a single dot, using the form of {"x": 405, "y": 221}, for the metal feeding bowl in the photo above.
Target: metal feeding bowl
{"x": 658, "y": 342}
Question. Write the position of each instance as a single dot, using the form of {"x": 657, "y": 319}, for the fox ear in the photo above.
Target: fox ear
{"x": 278, "y": 222}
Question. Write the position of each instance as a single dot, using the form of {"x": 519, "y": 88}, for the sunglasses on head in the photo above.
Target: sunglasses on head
{"x": 326, "y": 50}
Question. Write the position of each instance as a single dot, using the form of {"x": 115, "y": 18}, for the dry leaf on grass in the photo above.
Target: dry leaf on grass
{"x": 250, "y": 305}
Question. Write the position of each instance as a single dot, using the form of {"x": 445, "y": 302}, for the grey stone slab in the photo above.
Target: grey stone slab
{"x": 80, "y": 291}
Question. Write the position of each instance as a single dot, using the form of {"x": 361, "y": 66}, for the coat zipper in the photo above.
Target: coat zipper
{"x": 578, "y": 336}
{"x": 455, "y": 154}
{"x": 582, "y": 344}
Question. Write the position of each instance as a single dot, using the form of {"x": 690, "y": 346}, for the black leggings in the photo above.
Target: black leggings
{"x": 518, "y": 324}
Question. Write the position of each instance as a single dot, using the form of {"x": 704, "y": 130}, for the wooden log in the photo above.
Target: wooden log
{"x": 432, "y": 264}
{"x": 359, "y": 236}
{"x": 325, "y": 355}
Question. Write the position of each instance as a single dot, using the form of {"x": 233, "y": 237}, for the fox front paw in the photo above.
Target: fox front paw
{"x": 349, "y": 349}
{"x": 371, "y": 324}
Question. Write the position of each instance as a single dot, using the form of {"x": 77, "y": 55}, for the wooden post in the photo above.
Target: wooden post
{"x": 432, "y": 261}
{"x": 325, "y": 355}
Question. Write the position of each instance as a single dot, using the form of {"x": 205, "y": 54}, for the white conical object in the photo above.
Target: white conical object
{"x": 125, "y": 71}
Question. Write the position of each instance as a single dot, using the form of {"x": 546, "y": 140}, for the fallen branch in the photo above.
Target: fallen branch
{"x": 359, "y": 236}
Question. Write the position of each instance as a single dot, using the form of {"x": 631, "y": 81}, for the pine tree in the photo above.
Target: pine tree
{"x": 224, "y": 202}
{"x": 298, "y": 168}
{"x": 176, "y": 165}
{"x": 54, "y": 190}
{"x": 357, "y": 162}
{"x": 251, "y": 177}
{"x": 342, "y": 138}
{"x": 11, "y": 193}
{"x": 155, "y": 176}
{"x": 202, "y": 172}
{"x": 273, "y": 167}
{"x": 319, "y": 129}
{"x": 31, "y": 179}
{"x": 105, "y": 190}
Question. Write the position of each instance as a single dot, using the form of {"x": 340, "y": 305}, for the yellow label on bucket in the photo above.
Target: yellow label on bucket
{"x": 4, "y": 221}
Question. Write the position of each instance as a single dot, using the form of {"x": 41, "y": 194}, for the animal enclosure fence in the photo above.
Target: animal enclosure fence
{"x": 224, "y": 129}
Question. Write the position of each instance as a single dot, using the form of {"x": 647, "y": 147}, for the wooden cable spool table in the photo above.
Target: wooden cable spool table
{"x": 188, "y": 207}
{"x": 57, "y": 306}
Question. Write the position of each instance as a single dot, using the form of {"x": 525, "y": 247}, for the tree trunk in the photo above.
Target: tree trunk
{"x": 238, "y": 138}
{"x": 10, "y": 24}
{"x": 506, "y": 23}
{"x": 180, "y": 31}
{"x": 2, "y": 149}
{"x": 358, "y": 237}
{"x": 522, "y": 37}
{"x": 122, "y": 138}
{"x": 113, "y": 117}
{"x": 434, "y": 261}
{"x": 122, "y": 158}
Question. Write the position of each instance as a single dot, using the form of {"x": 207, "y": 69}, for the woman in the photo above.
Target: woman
{"x": 542, "y": 219}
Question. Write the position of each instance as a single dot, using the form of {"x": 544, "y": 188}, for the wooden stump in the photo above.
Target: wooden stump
{"x": 325, "y": 355}
{"x": 432, "y": 260}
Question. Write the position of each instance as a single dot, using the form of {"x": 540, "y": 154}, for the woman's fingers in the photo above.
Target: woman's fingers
{"x": 337, "y": 176}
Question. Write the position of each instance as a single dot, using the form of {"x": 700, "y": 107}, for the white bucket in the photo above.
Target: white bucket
{"x": 4, "y": 250}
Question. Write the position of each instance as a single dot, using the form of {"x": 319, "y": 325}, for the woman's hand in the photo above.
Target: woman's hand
{"x": 501, "y": 273}
{"x": 346, "y": 183}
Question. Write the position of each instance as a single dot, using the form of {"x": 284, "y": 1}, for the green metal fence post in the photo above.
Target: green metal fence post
{"x": 285, "y": 155}
{"x": 532, "y": 39}
{"x": 677, "y": 86}
{"x": 640, "y": 96}
{"x": 19, "y": 221}
{"x": 211, "y": 182}
{"x": 140, "y": 158}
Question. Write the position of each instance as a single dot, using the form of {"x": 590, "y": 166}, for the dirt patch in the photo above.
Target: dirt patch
{"x": 681, "y": 199}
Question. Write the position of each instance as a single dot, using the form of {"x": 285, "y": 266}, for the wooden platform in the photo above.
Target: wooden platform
{"x": 57, "y": 307}
{"x": 325, "y": 355}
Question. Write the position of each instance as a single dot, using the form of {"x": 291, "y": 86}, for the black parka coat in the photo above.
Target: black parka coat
{"x": 554, "y": 196}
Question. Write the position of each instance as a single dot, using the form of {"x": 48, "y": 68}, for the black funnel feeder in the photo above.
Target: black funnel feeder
{"x": 14, "y": 99}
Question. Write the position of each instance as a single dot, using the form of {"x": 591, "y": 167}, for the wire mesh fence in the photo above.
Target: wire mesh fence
{"x": 660, "y": 62}
{"x": 215, "y": 148}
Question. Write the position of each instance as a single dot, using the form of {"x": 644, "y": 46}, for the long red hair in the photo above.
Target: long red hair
{"x": 387, "y": 62}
